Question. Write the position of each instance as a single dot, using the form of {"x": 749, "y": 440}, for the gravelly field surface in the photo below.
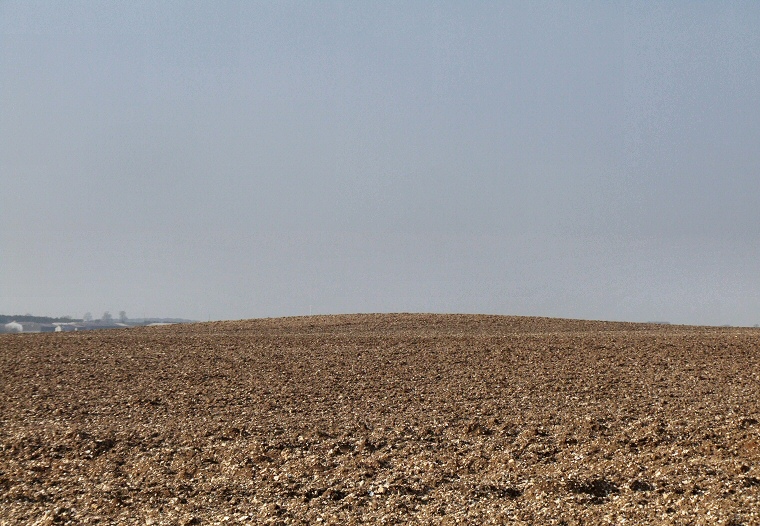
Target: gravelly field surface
{"x": 382, "y": 419}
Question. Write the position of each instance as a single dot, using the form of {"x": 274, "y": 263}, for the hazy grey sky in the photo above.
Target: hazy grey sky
{"x": 248, "y": 159}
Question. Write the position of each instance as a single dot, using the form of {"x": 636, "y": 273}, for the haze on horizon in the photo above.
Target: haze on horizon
{"x": 231, "y": 160}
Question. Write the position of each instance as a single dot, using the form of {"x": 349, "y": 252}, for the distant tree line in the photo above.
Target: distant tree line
{"x": 107, "y": 317}
{"x": 7, "y": 318}
{"x": 106, "y": 320}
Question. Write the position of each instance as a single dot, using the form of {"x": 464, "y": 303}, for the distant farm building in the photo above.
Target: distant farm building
{"x": 13, "y": 327}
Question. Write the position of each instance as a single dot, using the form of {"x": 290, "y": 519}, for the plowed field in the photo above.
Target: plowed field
{"x": 382, "y": 419}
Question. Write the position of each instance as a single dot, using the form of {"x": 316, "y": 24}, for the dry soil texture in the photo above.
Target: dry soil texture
{"x": 382, "y": 419}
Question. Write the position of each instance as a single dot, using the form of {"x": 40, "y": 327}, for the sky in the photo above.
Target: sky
{"x": 230, "y": 160}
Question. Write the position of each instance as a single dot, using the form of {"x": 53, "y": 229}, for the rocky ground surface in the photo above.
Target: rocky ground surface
{"x": 382, "y": 419}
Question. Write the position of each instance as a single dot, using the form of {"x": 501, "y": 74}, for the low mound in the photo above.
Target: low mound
{"x": 384, "y": 419}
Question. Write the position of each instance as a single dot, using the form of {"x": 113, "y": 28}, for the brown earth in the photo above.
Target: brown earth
{"x": 382, "y": 419}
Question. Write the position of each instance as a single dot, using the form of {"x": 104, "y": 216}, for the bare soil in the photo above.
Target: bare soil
{"x": 382, "y": 419}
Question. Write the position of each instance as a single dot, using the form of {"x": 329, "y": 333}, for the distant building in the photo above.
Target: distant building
{"x": 31, "y": 326}
{"x": 13, "y": 326}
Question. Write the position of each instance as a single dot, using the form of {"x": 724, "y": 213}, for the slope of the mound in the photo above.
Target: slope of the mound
{"x": 403, "y": 418}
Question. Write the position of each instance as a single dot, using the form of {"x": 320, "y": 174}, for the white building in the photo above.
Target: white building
{"x": 13, "y": 327}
